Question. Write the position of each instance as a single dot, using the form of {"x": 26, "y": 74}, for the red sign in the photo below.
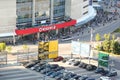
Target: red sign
{"x": 45, "y": 28}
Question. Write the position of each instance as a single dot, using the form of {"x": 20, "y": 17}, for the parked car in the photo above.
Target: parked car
{"x": 34, "y": 67}
{"x": 76, "y": 77}
{"x": 49, "y": 73}
{"x": 90, "y": 79}
{"x": 81, "y": 64}
{"x": 99, "y": 70}
{"x": 59, "y": 58}
{"x": 59, "y": 77}
{"x": 59, "y": 68}
{"x": 91, "y": 67}
{"x": 104, "y": 73}
{"x": 24, "y": 63}
{"x": 55, "y": 74}
{"x": 84, "y": 65}
{"x": 70, "y": 61}
{"x": 105, "y": 78}
{"x": 30, "y": 64}
{"x": 112, "y": 73}
{"x": 53, "y": 66}
{"x": 64, "y": 60}
{"x": 45, "y": 70}
{"x": 84, "y": 77}
{"x": 76, "y": 63}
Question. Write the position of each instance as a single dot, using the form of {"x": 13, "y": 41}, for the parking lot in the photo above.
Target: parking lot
{"x": 36, "y": 71}
{"x": 20, "y": 73}
{"x": 80, "y": 71}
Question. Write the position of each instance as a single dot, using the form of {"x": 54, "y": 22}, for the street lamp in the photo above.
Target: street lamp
{"x": 91, "y": 38}
{"x": 45, "y": 77}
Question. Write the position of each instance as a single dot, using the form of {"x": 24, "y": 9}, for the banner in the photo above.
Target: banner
{"x": 45, "y": 28}
{"x": 85, "y": 50}
{"x": 75, "y": 47}
{"x": 53, "y": 49}
{"x": 53, "y": 45}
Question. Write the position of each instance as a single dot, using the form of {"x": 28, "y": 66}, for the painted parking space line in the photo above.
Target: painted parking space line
{"x": 16, "y": 75}
{"x": 27, "y": 78}
{"x": 7, "y": 70}
{"x": 13, "y": 72}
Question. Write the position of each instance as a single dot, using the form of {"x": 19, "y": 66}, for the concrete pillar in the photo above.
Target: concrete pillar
{"x": 51, "y": 10}
{"x": 33, "y": 13}
{"x": 57, "y": 32}
{"x": 14, "y": 40}
{"x": 38, "y": 36}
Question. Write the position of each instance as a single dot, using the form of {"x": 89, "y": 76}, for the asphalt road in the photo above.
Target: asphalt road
{"x": 108, "y": 28}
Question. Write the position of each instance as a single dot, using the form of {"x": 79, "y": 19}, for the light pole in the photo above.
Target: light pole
{"x": 33, "y": 13}
{"x": 45, "y": 77}
{"x": 91, "y": 38}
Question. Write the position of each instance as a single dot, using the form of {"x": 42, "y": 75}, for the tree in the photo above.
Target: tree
{"x": 116, "y": 48}
{"x": 2, "y": 46}
{"x": 98, "y": 37}
{"x": 109, "y": 45}
{"x": 107, "y": 36}
{"x": 106, "y": 43}
{"x": 112, "y": 43}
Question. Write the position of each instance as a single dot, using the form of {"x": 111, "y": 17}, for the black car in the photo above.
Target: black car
{"x": 64, "y": 60}
{"x": 104, "y": 73}
{"x": 30, "y": 64}
{"x": 90, "y": 79}
{"x": 91, "y": 67}
{"x": 112, "y": 73}
{"x": 76, "y": 63}
{"x": 76, "y": 77}
{"x": 39, "y": 69}
{"x": 81, "y": 64}
{"x": 84, "y": 77}
{"x": 53, "y": 66}
{"x": 99, "y": 70}
{"x": 59, "y": 68}
{"x": 84, "y": 65}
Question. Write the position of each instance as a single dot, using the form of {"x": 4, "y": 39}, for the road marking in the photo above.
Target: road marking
{"x": 13, "y": 72}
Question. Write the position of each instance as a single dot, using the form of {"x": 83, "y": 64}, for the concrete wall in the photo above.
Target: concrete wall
{"x": 7, "y": 16}
{"x": 74, "y": 8}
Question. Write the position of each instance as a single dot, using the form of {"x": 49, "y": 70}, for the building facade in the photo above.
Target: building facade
{"x": 27, "y": 14}
{"x": 76, "y": 8}
{"x": 8, "y": 17}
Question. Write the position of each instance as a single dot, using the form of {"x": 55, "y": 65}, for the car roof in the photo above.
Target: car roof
{"x": 105, "y": 78}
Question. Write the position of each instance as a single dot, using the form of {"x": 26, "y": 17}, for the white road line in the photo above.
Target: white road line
{"x": 27, "y": 78}
{"x": 12, "y": 72}
{"x": 15, "y": 75}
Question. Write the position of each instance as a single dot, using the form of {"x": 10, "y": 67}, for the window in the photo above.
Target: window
{"x": 86, "y": 6}
{"x": 23, "y": 1}
{"x": 85, "y": 12}
{"x": 84, "y": 0}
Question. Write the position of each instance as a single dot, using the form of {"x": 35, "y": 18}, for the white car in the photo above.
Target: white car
{"x": 70, "y": 61}
{"x": 105, "y": 78}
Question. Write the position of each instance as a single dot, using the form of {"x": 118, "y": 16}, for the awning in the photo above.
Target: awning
{"x": 45, "y": 28}
{"x": 91, "y": 14}
{"x": 7, "y": 34}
